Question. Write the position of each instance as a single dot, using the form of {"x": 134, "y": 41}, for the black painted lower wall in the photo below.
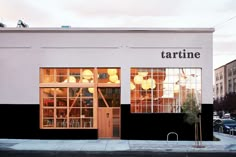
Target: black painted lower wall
{"x": 22, "y": 122}
{"x": 156, "y": 126}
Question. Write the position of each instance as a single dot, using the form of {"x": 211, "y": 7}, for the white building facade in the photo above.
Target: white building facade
{"x": 104, "y": 82}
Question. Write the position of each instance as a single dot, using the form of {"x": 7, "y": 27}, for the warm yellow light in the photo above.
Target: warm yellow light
{"x": 145, "y": 85}
{"x": 117, "y": 81}
{"x": 72, "y": 79}
{"x": 113, "y": 78}
{"x": 151, "y": 83}
{"x": 138, "y": 79}
{"x": 47, "y": 79}
{"x": 143, "y": 73}
{"x": 91, "y": 90}
{"x": 46, "y": 90}
{"x": 112, "y": 71}
{"x": 87, "y": 74}
{"x": 57, "y": 90}
{"x": 132, "y": 86}
{"x": 85, "y": 81}
{"x": 176, "y": 88}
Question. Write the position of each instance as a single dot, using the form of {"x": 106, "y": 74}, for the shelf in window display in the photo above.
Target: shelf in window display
{"x": 48, "y": 117}
{"x": 48, "y": 126}
{"x": 51, "y": 107}
{"x": 58, "y": 118}
{"x": 49, "y": 122}
{"x": 74, "y": 117}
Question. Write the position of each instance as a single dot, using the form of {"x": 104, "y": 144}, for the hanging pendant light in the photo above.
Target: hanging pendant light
{"x": 145, "y": 85}
{"x": 132, "y": 86}
{"x": 85, "y": 81}
{"x": 117, "y": 81}
{"x": 113, "y": 78}
{"x": 143, "y": 73}
{"x": 151, "y": 83}
{"x": 72, "y": 79}
{"x": 87, "y": 74}
{"x": 91, "y": 90}
{"x": 138, "y": 79}
{"x": 112, "y": 71}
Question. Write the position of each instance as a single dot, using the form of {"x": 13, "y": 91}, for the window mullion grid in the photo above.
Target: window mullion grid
{"x": 180, "y": 92}
{"x": 152, "y": 90}
{"x": 54, "y": 107}
{"x": 68, "y": 111}
{"x": 67, "y": 99}
{"x": 54, "y": 97}
{"x": 95, "y": 98}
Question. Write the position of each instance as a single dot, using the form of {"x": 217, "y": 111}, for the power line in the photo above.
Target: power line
{"x": 222, "y": 23}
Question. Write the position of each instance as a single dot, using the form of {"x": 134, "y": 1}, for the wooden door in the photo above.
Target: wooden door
{"x": 108, "y": 112}
{"x": 105, "y": 122}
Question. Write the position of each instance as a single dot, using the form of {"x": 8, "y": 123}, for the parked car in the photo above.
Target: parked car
{"x": 215, "y": 118}
{"x": 226, "y": 116}
{"x": 225, "y": 125}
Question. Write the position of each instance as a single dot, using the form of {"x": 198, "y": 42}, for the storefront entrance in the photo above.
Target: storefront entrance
{"x": 109, "y": 112}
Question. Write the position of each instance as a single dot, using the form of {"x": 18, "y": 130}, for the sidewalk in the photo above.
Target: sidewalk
{"x": 226, "y": 144}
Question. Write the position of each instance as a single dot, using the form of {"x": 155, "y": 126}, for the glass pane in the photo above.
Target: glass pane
{"x": 47, "y": 92}
{"x": 74, "y": 92}
{"x": 87, "y": 112}
{"x": 47, "y": 75}
{"x": 74, "y": 112}
{"x": 163, "y": 89}
{"x": 111, "y": 96}
{"x": 61, "y": 102}
{"x": 48, "y": 113}
{"x": 47, "y": 95}
{"x": 87, "y": 75}
{"x": 103, "y": 76}
{"x": 48, "y": 102}
{"x": 108, "y": 75}
{"x": 61, "y": 123}
{"x": 87, "y": 102}
{"x": 61, "y": 75}
{"x": 86, "y": 93}
{"x": 87, "y": 122}
{"x": 61, "y": 113}
{"x": 75, "y": 102}
{"x": 48, "y": 123}
{"x": 75, "y": 123}
{"x": 74, "y": 75}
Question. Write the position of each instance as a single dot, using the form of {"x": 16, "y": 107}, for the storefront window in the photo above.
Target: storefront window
{"x": 163, "y": 90}
{"x": 68, "y": 96}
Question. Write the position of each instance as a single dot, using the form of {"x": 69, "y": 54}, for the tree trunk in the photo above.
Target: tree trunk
{"x": 196, "y": 135}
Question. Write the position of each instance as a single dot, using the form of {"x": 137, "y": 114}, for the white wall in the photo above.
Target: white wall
{"x": 22, "y": 53}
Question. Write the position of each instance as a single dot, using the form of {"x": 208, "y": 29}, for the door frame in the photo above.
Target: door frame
{"x": 110, "y": 109}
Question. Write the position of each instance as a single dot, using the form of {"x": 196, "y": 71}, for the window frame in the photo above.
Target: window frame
{"x": 170, "y": 103}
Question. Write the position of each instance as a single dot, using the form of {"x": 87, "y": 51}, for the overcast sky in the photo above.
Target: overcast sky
{"x": 219, "y": 14}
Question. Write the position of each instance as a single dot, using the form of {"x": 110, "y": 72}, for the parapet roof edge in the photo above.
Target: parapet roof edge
{"x": 105, "y": 29}
{"x": 226, "y": 64}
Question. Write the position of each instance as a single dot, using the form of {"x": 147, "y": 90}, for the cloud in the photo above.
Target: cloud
{"x": 13, "y": 10}
{"x": 123, "y": 8}
{"x": 154, "y": 13}
{"x": 228, "y": 6}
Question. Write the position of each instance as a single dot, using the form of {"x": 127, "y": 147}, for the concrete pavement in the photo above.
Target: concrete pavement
{"x": 227, "y": 144}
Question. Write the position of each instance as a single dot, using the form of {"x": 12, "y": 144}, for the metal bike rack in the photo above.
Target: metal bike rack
{"x": 167, "y": 138}
{"x": 221, "y": 129}
{"x": 231, "y": 132}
